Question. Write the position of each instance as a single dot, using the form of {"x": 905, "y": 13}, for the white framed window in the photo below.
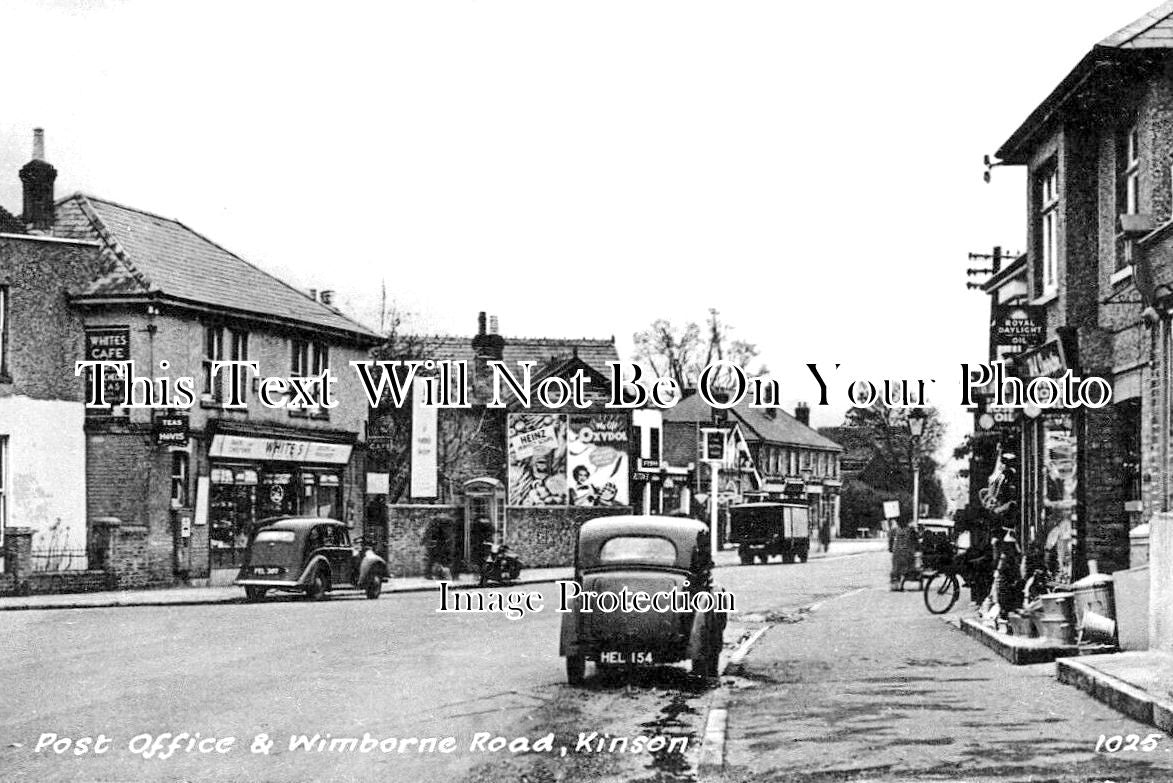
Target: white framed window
{"x": 213, "y": 352}
{"x": 1049, "y": 230}
{"x": 180, "y": 461}
{"x": 1131, "y": 172}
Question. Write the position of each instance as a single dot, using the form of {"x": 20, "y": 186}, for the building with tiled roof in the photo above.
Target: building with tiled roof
{"x": 194, "y": 461}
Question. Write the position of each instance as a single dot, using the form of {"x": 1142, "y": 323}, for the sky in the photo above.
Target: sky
{"x": 812, "y": 171}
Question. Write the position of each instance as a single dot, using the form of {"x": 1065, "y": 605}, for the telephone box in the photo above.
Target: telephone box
{"x": 484, "y": 519}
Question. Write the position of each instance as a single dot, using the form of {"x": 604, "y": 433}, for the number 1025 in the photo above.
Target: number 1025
{"x": 1113, "y": 743}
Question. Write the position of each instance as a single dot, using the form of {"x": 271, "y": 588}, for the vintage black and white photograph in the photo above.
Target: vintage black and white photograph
{"x": 567, "y": 392}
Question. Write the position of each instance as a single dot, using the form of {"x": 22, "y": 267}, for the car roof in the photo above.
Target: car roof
{"x": 771, "y": 504}
{"x": 296, "y": 523}
{"x": 641, "y": 524}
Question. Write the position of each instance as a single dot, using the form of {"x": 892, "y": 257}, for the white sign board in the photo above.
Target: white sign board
{"x": 278, "y": 450}
{"x": 378, "y": 483}
{"x": 423, "y": 445}
{"x": 891, "y": 509}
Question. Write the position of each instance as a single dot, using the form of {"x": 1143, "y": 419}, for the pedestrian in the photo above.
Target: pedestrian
{"x": 437, "y": 550}
{"x": 825, "y": 535}
{"x": 902, "y": 545}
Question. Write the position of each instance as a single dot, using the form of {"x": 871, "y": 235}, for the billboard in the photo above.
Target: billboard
{"x": 537, "y": 459}
{"x": 597, "y": 460}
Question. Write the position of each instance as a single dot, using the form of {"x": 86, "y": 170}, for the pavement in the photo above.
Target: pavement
{"x": 864, "y": 684}
{"x": 224, "y": 594}
{"x": 1138, "y": 684}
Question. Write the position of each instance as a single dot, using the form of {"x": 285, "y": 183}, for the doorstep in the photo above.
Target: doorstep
{"x": 1023, "y": 650}
{"x": 1138, "y": 684}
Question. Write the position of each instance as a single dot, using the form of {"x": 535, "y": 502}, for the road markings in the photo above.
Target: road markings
{"x": 816, "y": 606}
{"x": 713, "y": 747}
{"x": 734, "y": 661}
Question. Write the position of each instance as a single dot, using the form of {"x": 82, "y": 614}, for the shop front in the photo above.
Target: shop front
{"x": 252, "y": 478}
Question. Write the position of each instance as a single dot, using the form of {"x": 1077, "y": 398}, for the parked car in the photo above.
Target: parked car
{"x": 310, "y": 555}
{"x": 762, "y": 530}
{"x": 653, "y": 555}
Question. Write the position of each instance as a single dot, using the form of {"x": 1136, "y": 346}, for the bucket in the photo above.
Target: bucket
{"x": 1058, "y": 631}
{"x": 1093, "y": 593}
{"x": 1058, "y": 606}
{"x": 1097, "y": 628}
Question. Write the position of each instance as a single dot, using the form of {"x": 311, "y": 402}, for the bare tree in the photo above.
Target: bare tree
{"x": 682, "y": 353}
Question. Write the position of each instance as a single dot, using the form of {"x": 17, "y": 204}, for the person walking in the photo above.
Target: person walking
{"x": 902, "y": 545}
{"x": 825, "y": 535}
{"x": 437, "y": 551}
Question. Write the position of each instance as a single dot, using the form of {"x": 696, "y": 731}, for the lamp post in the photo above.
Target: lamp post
{"x": 916, "y": 428}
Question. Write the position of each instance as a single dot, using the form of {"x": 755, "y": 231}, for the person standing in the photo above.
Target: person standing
{"x": 436, "y": 550}
{"x": 902, "y": 545}
{"x": 825, "y": 534}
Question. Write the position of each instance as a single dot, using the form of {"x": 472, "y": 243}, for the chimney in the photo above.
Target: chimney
{"x": 486, "y": 346}
{"x": 38, "y": 178}
{"x": 313, "y": 292}
{"x": 326, "y": 297}
{"x": 492, "y": 324}
{"x": 802, "y": 412}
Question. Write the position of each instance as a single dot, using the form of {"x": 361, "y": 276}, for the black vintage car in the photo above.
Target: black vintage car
{"x": 308, "y": 555}
{"x": 656, "y": 556}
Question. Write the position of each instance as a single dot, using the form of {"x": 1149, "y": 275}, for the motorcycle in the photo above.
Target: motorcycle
{"x": 499, "y": 565}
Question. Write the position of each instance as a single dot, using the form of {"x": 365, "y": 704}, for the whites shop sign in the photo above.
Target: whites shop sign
{"x": 278, "y": 450}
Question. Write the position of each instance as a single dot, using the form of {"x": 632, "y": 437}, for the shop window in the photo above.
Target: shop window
{"x": 213, "y": 352}
{"x": 179, "y": 483}
{"x": 1049, "y": 229}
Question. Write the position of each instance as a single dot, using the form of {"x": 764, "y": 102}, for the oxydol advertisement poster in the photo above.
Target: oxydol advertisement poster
{"x": 918, "y": 256}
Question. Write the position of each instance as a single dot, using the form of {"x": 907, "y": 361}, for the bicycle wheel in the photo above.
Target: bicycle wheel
{"x": 941, "y": 592}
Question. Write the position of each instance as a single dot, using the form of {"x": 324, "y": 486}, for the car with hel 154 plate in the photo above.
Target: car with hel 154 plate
{"x": 308, "y": 555}
{"x": 653, "y": 555}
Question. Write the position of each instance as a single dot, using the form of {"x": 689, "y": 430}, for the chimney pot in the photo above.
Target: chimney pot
{"x": 492, "y": 324}
{"x": 802, "y": 412}
{"x": 38, "y": 143}
{"x": 326, "y": 296}
{"x": 313, "y": 292}
{"x": 481, "y": 322}
{"x": 37, "y": 178}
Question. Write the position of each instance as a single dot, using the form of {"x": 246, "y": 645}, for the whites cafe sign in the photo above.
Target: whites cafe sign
{"x": 278, "y": 450}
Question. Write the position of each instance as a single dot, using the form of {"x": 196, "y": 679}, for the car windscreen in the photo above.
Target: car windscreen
{"x": 638, "y": 549}
{"x": 275, "y": 537}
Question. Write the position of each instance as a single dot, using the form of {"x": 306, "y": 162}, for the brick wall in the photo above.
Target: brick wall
{"x": 1106, "y": 522}
{"x": 402, "y": 543}
{"x": 546, "y": 537}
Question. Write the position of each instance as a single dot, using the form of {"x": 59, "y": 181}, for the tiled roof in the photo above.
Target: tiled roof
{"x": 9, "y": 223}
{"x": 161, "y": 255}
{"x": 1153, "y": 30}
{"x": 543, "y": 351}
{"x": 757, "y": 423}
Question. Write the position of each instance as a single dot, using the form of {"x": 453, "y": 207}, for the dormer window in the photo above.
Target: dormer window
{"x": 1049, "y": 229}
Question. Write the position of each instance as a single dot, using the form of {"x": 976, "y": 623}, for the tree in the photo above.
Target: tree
{"x": 895, "y": 451}
{"x": 682, "y": 352}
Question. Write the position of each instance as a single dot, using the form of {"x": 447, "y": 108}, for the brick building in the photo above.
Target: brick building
{"x": 783, "y": 457}
{"x": 1098, "y": 153}
{"x": 181, "y": 487}
{"x": 534, "y": 473}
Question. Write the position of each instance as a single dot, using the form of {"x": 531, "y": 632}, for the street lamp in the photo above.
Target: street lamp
{"x": 916, "y": 428}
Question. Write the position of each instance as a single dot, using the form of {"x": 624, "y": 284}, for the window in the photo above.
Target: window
{"x": 1049, "y": 230}
{"x": 300, "y": 365}
{"x": 654, "y": 443}
{"x": 1130, "y": 173}
{"x": 213, "y": 352}
{"x": 275, "y": 537}
{"x": 179, "y": 465}
{"x": 639, "y": 549}
{"x": 308, "y": 359}
{"x": 4, "y": 377}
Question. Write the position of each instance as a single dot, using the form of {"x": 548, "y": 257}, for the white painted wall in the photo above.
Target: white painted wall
{"x": 46, "y": 471}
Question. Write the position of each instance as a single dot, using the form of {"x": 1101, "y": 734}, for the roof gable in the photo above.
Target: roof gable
{"x": 760, "y": 424}
{"x": 163, "y": 256}
{"x": 1152, "y": 30}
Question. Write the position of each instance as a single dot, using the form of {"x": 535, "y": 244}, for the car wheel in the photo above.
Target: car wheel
{"x": 701, "y": 663}
{"x": 575, "y": 669}
{"x": 746, "y": 556}
{"x": 374, "y": 586}
{"x": 802, "y": 556}
{"x": 788, "y": 558}
{"x": 253, "y": 594}
{"x": 316, "y": 589}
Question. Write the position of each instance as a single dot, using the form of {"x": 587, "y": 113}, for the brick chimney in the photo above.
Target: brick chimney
{"x": 802, "y": 412}
{"x": 38, "y": 178}
{"x": 487, "y": 345}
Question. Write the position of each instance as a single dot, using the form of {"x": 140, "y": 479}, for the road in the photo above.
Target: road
{"x": 848, "y": 680}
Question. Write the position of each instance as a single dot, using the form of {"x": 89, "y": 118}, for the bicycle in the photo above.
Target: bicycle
{"x": 942, "y": 590}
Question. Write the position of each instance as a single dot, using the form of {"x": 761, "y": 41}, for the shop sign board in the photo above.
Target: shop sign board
{"x": 171, "y": 428}
{"x": 1020, "y": 325}
{"x": 713, "y": 444}
{"x": 109, "y": 344}
{"x": 423, "y": 445}
{"x": 246, "y": 447}
{"x": 1046, "y": 361}
{"x": 891, "y": 509}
